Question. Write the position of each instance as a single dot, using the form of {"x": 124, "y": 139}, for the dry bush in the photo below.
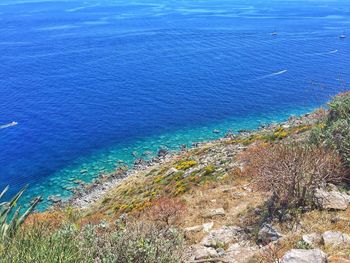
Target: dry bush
{"x": 292, "y": 173}
{"x": 166, "y": 210}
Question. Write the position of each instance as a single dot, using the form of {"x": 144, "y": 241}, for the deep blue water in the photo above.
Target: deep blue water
{"x": 90, "y": 81}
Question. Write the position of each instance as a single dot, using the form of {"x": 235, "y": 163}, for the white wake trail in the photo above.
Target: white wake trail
{"x": 274, "y": 74}
{"x": 8, "y": 125}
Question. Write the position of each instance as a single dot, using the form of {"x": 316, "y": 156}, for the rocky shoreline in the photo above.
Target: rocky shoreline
{"x": 87, "y": 194}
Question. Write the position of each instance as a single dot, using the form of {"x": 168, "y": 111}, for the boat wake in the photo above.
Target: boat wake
{"x": 325, "y": 53}
{"x": 274, "y": 74}
{"x": 8, "y": 125}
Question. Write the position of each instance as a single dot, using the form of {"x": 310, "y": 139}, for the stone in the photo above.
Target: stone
{"x": 304, "y": 256}
{"x": 268, "y": 234}
{"x": 193, "y": 229}
{"x": 240, "y": 253}
{"x": 313, "y": 239}
{"x": 171, "y": 171}
{"x": 215, "y": 212}
{"x": 208, "y": 226}
{"x": 332, "y": 199}
{"x": 222, "y": 236}
{"x": 335, "y": 238}
{"x": 202, "y": 252}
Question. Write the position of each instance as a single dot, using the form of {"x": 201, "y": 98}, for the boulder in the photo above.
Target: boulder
{"x": 332, "y": 199}
{"x": 202, "y": 252}
{"x": 208, "y": 226}
{"x": 240, "y": 253}
{"x": 304, "y": 256}
{"x": 313, "y": 239}
{"x": 222, "y": 236}
{"x": 215, "y": 212}
{"x": 268, "y": 234}
{"x": 335, "y": 238}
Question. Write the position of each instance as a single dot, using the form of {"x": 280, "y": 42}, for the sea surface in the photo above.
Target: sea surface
{"x": 89, "y": 82}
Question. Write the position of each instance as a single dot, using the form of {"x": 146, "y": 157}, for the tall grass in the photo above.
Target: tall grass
{"x": 134, "y": 242}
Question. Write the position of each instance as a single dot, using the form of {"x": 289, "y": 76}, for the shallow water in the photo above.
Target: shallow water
{"x": 89, "y": 82}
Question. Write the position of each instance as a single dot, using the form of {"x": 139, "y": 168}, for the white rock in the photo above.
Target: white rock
{"x": 171, "y": 171}
{"x": 268, "y": 234}
{"x": 222, "y": 236}
{"x": 332, "y": 199}
{"x": 240, "y": 253}
{"x": 193, "y": 229}
{"x": 312, "y": 239}
{"x": 215, "y": 212}
{"x": 202, "y": 252}
{"x": 208, "y": 226}
{"x": 304, "y": 256}
{"x": 335, "y": 238}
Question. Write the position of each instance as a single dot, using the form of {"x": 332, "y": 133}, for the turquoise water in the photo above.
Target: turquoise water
{"x": 105, "y": 161}
{"x": 88, "y": 82}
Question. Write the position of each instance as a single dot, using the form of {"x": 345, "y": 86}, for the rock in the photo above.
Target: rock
{"x": 215, "y": 212}
{"x": 193, "y": 229}
{"x": 162, "y": 152}
{"x": 304, "y": 256}
{"x": 335, "y": 238}
{"x": 239, "y": 253}
{"x": 268, "y": 234}
{"x": 202, "y": 252}
{"x": 337, "y": 259}
{"x": 208, "y": 226}
{"x": 332, "y": 199}
{"x": 222, "y": 236}
{"x": 313, "y": 239}
{"x": 171, "y": 171}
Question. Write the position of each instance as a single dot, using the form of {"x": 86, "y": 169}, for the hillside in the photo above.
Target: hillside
{"x": 277, "y": 194}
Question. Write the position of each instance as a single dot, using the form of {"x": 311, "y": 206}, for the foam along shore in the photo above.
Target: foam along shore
{"x": 87, "y": 194}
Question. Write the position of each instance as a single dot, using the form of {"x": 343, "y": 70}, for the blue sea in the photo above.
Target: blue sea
{"x": 89, "y": 82}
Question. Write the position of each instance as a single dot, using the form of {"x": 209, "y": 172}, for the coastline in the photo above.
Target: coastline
{"x": 86, "y": 195}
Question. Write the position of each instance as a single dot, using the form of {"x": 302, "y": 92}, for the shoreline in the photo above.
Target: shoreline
{"x": 85, "y": 195}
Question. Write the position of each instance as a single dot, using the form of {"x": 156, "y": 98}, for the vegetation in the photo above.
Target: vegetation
{"x": 11, "y": 220}
{"x": 292, "y": 173}
{"x": 334, "y": 130}
{"x": 128, "y": 241}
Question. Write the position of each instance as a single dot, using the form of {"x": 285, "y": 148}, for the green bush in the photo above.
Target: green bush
{"x": 335, "y": 131}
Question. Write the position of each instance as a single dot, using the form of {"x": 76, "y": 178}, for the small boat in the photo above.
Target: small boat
{"x": 274, "y": 33}
{"x": 342, "y": 36}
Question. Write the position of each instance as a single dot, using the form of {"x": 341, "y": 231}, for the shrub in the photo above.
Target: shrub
{"x": 292, "y": 173}
{"x": 166, "y": 210}
{"x": 139, "y": 242}
{"x": 334, "y": 132}
{"x": 11, "y": 220}
{"x": 135, "y": 242}
{"x": 185, "y": 165}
